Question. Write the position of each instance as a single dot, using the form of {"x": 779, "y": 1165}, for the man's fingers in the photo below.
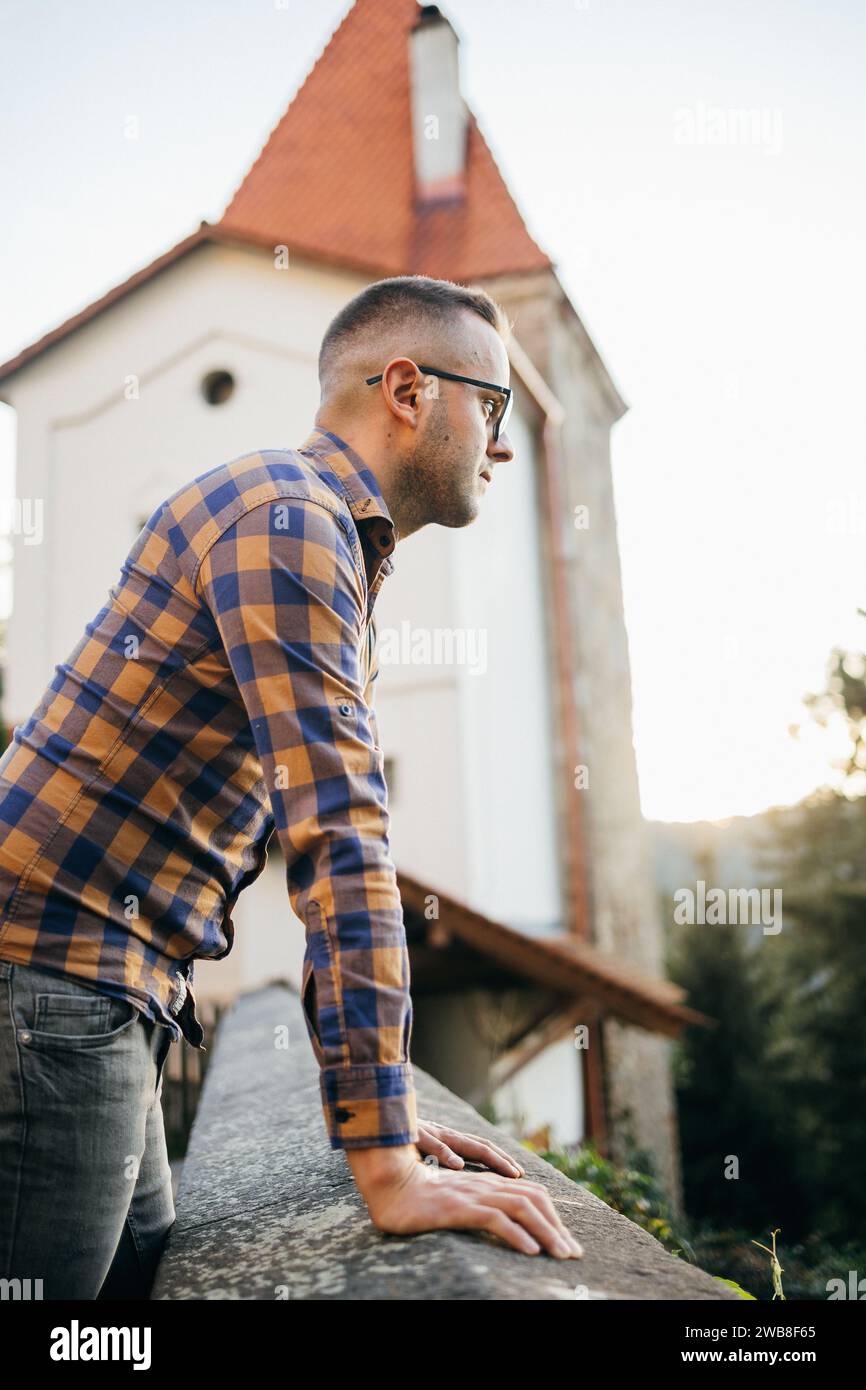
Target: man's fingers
{"x": 520, "y": 1212}
{"x": 498, "y": 1223}
{"x": 479, "y": 1150}
{"x": 498, "y": 1158}
{"x": 537, "y": 1194}
{"x": 471, "y": 1146}
{"x": 526, "y": 1213}
{"x": 436, "y": 1148}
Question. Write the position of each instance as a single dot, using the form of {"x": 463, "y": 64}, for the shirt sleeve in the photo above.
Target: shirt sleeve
{"x": 289, "y": 604}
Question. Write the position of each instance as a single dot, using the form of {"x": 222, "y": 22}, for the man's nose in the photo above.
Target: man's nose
{"x": 500, "y": 449}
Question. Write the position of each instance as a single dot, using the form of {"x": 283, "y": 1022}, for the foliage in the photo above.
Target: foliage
{"x": 808, "y": 1265}
{"x": 780, "y": 1084}
{"x": 628, "y": 1190}
{"x": 737, "y": 1133}
{"x": 728, "y": 1254}
{"x": 737, "y": 1290}
{"x": 817, "y": 1003}
{"x": 844, "y": 698}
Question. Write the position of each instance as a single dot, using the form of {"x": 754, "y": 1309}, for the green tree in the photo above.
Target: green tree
{"x": 729, "y": 1105}
{"x": 818, "y": 994}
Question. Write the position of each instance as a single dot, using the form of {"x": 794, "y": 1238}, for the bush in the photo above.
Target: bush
{"x": 631, "y": 1191}
{"x": 808, "y": 1264}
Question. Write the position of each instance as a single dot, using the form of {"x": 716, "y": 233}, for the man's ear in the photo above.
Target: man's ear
{"x": 405, "y": 383}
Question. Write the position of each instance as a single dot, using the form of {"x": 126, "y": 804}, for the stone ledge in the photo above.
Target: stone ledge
{"x": 267, "y": 1210}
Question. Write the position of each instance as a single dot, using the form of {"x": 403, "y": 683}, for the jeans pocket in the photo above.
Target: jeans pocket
{"x": 70, "y": 1015}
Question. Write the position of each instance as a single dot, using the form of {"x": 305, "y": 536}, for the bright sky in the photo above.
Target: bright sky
{"x": 695, "y": 171}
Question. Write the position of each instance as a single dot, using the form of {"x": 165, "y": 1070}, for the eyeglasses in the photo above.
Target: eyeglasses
{"x": 501, "y": 418}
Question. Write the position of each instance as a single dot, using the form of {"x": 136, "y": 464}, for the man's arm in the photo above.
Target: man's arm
{"x": 289, "y": 604}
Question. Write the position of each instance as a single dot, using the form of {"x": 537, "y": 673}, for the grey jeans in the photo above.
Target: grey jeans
{"x": 85, "y": 1184}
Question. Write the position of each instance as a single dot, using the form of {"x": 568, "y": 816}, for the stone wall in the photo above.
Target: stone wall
{"x": 267, "y": 1210}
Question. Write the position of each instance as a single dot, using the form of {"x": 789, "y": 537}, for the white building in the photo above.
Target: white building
{"x": 211, "y": 352}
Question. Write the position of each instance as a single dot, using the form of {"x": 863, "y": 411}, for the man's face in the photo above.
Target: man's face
{"x": 455, "y": 444}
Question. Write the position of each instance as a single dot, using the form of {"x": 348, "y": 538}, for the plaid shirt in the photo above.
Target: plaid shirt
{"x": 224, "y": 690}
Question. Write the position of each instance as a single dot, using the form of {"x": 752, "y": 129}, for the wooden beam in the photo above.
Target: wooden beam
{"x": 548, "y": 1030}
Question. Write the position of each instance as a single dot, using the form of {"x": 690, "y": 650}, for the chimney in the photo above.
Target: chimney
{"x": 439, "y": 114}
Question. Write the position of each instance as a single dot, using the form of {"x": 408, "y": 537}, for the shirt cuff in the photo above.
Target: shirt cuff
{"x": 369, "y": 1106}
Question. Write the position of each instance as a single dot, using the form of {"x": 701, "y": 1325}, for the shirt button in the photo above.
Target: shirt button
{"x": 23, "y": 1035}
{"x": 345, "y": 709}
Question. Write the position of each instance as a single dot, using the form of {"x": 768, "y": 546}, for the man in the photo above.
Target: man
{"x": 223, "y": 692}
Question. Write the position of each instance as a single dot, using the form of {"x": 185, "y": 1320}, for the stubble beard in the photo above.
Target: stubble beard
{"x": 436, "y": 486}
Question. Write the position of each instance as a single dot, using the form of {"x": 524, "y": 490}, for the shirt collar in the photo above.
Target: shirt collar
{"x": 359, "y": 485}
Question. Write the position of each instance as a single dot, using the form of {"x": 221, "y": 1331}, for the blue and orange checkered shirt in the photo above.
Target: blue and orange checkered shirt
{"x": 223, "y": 691}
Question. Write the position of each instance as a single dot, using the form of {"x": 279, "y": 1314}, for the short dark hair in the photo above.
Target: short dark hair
{"x": 401, "y": 296}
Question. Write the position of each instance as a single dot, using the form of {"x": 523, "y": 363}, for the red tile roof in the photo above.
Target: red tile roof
{"x": 335, "y": 180}
{"x": 338, "y": 169}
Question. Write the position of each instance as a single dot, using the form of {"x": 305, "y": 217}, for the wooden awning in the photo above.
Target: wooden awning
{"x": 461, "y": 947}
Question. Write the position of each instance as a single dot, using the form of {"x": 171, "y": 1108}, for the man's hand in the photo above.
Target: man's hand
{"x": 447, "y": 1145}
{"x": 405, "y": 1195}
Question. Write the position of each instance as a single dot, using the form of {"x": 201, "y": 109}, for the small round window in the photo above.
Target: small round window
{"x": 217, "y": 387}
